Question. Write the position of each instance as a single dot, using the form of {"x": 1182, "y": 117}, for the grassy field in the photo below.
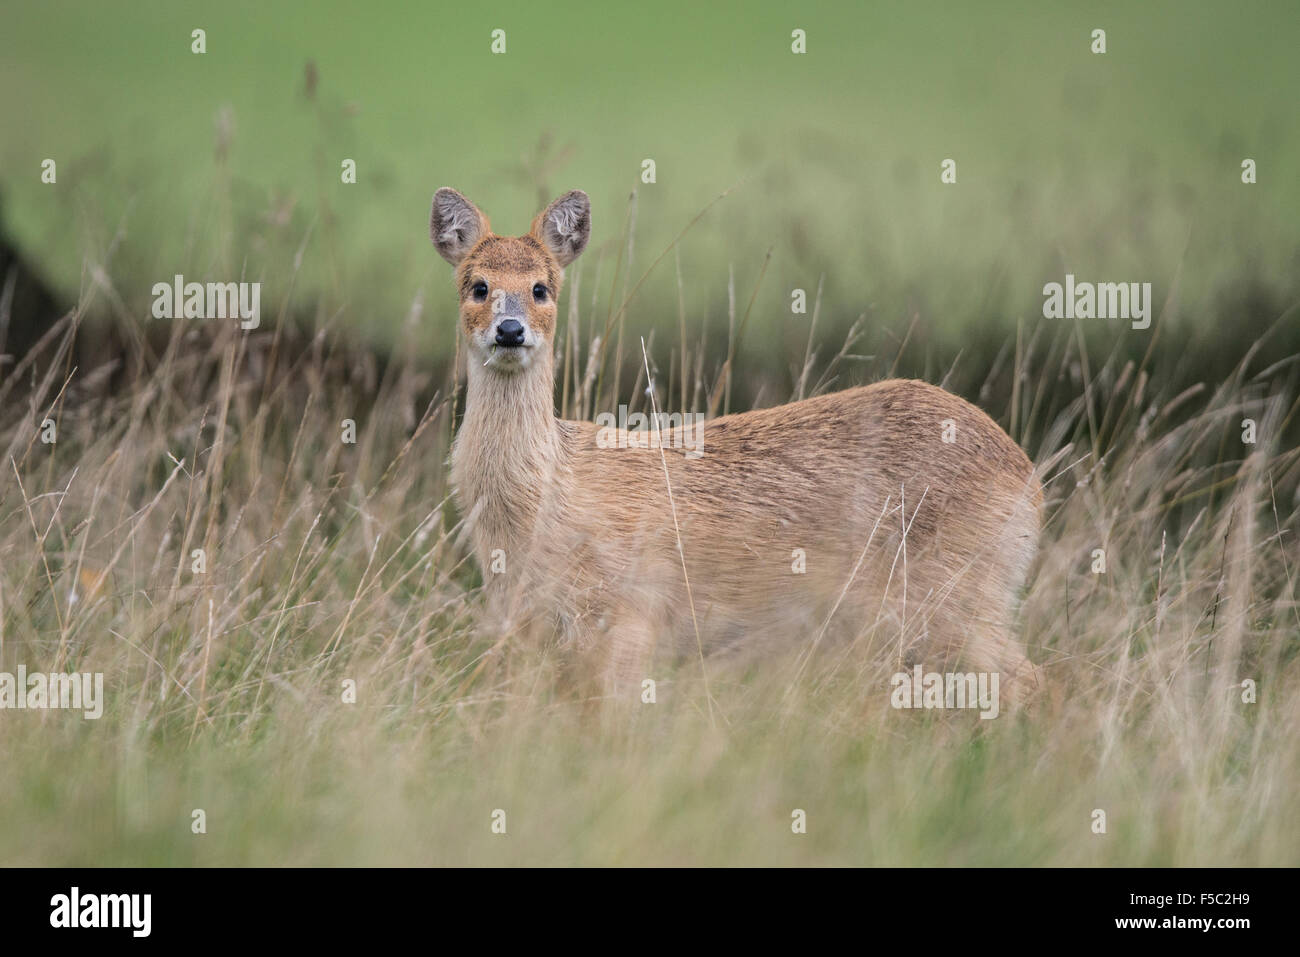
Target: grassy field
{"x": 1121, "y": 166}
{"x": 328, "y": 563}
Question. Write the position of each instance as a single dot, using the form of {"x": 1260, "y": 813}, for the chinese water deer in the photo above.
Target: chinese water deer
{"x": 895, "y": 516}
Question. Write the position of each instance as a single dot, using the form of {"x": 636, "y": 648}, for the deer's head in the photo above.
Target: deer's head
{"x": 508, "y": 284}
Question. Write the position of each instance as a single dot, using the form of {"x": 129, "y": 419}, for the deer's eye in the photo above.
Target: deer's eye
{"x": 539, "y": 292}
{"x": 479, "y": 291}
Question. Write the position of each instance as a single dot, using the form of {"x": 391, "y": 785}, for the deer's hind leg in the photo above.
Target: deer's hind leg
{"x": 629, "y": 646}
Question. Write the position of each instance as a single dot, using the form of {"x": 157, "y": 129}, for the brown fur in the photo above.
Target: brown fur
{"x": 591, "y": 547}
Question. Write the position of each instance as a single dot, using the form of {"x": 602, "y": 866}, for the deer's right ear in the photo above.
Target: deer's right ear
{"x": 455, "y": 225}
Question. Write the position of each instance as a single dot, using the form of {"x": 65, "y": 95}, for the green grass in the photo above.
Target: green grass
{"x": 1117, "y": 166}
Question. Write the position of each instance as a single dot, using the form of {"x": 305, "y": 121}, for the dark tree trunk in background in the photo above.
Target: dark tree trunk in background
{"x": 28, "y": 307}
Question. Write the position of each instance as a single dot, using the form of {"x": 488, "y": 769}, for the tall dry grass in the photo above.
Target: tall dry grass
{"x": 327, "y": 562}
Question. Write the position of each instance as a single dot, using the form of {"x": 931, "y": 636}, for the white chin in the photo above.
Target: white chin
{"x": 508, "y": 360}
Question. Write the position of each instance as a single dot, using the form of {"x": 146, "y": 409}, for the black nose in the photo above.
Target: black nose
{"x": 510, "y": 332}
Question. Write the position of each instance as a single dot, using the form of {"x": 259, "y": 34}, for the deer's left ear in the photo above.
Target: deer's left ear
{"x": 565, "y": 226}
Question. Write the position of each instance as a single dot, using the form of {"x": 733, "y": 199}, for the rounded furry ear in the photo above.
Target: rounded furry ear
{"x": 455, "y": 225}
{"x": 565, "y": 226}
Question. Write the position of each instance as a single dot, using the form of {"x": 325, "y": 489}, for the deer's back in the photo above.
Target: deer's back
{"x": 785, "y": 503}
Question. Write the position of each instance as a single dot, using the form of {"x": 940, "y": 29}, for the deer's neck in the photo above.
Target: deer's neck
{"x": 506, "y": 455}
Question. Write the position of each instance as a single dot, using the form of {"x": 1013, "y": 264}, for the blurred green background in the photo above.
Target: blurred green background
{"x": 1116, "y": 167}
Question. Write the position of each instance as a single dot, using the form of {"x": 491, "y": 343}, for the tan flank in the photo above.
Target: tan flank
{"x": 841, "y": 518}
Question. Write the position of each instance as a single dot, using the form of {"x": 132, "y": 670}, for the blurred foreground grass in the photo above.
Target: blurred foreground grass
{"x": 328, "y": 562}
